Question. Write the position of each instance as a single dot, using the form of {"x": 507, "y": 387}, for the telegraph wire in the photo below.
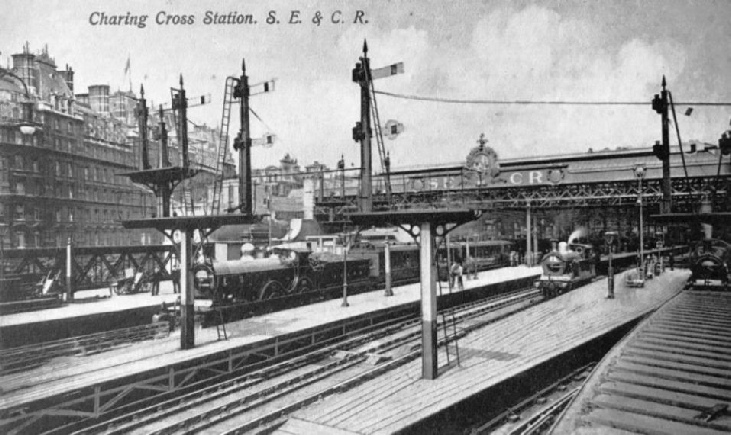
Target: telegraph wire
{"x": 539, "y": 102}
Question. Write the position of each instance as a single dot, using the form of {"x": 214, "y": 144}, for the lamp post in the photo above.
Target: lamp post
{"x": 609, "y": 236}
{"x": 26, "y": 127}
{"x": 640, "y": 174}
{"x": 341, "y": 167}
{"x": 345, "y": 269}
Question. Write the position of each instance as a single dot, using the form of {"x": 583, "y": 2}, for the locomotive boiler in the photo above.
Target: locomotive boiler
{"x": 566, "y": 268}
{"x": 286, "y": 273}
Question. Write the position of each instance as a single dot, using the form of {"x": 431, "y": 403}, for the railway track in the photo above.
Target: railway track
{"x": 537, "y": 413}
{"x": 262, "y": 397}
{"x": 24, "y": 358}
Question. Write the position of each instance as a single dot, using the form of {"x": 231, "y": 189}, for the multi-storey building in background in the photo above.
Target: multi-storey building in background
{"x": 278, "y": 190}
{"x": 62, "y": 155}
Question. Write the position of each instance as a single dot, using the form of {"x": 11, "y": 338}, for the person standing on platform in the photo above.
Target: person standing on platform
{"x": 156, "y": 282}
{"x": 176, "y": 278}
{"x": 671, "y": 260}
{"x": 455, "y": 273}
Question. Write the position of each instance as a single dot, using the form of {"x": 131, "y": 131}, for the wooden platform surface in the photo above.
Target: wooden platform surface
{"x": 60, "y": 376}
{"x": 489, "y": 355}
{"x": 665, "y": 377}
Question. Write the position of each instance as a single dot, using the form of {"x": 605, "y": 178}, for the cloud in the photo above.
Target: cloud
{"x": 528, "y": 54}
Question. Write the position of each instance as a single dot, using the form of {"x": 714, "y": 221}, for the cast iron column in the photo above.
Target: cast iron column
{"x": 428, "y": 304}
{"x": 187, "y": 334}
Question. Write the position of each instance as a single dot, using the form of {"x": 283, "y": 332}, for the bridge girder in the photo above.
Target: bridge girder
{"x": 687, "y": 195}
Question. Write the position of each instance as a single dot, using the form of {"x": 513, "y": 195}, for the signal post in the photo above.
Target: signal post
{"x": 164, "y": 179}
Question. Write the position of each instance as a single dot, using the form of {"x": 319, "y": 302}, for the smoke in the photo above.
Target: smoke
{"x": 579, "y": 232}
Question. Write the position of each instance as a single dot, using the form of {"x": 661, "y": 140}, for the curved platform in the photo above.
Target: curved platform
{"x": 671, "y": 375}
{"x": 400, "y": 400}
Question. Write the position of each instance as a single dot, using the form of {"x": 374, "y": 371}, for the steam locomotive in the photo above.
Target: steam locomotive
{"x": 296, "y": 271}
{"x": 709, "y": 262}
{"x": 286, "y": 273}
{"x": 566, "y": 268}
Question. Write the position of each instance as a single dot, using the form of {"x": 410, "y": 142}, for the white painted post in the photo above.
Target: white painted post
{"x": 528, "y": 236}
{"x": 69, "y": 273}
{"x": 387, "y": 268}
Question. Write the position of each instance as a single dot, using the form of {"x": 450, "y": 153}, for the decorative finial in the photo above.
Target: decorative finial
{"x": 365, "y": 46}
{"x": 664, "y": 83}
{"x": 482, "y": 141}
{"x": 243, "y": 65}
{"x": 142, "y": 91}
{"x": 181, "y": 80}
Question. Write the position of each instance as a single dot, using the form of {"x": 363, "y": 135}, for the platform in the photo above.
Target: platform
{"x": 399, "y": 399}
{"x": 144, "y": 364}
{"x": 671, "y": 375}
{"x": 90, "y": 302}
{"x": 92, "y": 311}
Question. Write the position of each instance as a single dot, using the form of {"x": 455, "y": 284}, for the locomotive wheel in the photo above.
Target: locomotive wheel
{"x": 272, "y": 289}
{"x": 306, "y": 286}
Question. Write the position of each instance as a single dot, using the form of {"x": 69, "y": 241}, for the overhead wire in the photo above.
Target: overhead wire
{"x": 539, "y": 102}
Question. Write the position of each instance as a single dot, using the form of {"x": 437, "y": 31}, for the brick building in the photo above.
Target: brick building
{"x": 63, "y": 179}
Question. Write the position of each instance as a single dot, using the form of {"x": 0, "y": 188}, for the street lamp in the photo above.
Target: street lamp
{"x": 341, "y": 167}
{"x": 610, "y": 236}
{"x": 27, "y": 126}
{"x": 640, "y": 174}
{"x": 345, "y": 269}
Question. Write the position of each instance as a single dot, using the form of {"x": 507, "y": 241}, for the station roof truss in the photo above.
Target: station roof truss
{"x": 686, "y": 194}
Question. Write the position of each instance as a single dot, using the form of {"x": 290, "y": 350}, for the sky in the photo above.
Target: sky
{"x": 564, "y": 50}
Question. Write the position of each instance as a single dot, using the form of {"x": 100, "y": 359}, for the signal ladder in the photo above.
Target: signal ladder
{"x": 449, "y": 321}
{"x": 221, "y": 326}
{"x": 222, "y": 144}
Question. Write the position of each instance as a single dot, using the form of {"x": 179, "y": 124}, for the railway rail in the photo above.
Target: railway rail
{"x": 217, "y": 404}
{"x": 24, "y": 358}
{"x": 101, "y": 403}
{"x": 535, "y": 414}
